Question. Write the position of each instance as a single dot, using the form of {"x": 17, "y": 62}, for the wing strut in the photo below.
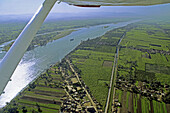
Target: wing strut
{"x": 16, "y": 52}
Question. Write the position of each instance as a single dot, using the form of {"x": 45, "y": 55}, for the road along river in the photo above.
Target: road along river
{"x": 38, "y": 60}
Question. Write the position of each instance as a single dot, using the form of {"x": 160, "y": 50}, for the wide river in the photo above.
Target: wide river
{"x": 36, "y": 61}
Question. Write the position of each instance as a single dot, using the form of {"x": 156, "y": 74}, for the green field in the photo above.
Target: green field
{"x": 94, "y": 60}
{"x": 146, "y": 49}
{"x": 143, "y": 76}
{"x": 42, "y": 95}
{"x": 10, "y": 30}
{"x": 144, "y": 63}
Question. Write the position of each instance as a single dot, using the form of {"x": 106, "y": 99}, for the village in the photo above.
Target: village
{"x": 153, "y": 91}
{"x": 149, "y": 51}
{"x": 78, "y": 98}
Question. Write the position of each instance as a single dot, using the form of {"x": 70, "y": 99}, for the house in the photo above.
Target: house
{"x": 74, "y": 81}
{"x": 79, "y": 88}
{"x": 90, "y": 109}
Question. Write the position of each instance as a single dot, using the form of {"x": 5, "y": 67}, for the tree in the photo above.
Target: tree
{"x": 24, "y": 110}
{"x": 32, "y": 86}
{"x": 39, "y": 109}
{"x": 11, "y": 109}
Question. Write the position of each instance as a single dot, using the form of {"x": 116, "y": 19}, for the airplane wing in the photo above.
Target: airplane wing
{"x": 115, "y": 2}
{"x": 16, "y": 52}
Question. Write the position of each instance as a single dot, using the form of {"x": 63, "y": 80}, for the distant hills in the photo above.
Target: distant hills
{"x": 132, "y": 11}
{"x": 66, "y": 16}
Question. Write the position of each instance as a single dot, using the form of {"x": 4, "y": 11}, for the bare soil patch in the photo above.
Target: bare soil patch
{"x": 33, "y": 105}
{"x": 48, "y": 92}
{"x": 168, "y": 108}
{"x": 107, "y": 63}
{"x": 45, "y": 101}
{"x": 139, "y": 106}
{"x": 130, "y": 104}
{"x": 49, "y": 87}
{"x": 57, "y": 79}
{"x": 151, "y": 103}
{"x": 123, "y": 102}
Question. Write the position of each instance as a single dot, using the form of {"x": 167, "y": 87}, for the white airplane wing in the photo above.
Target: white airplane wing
{"x": 16, "y": 52}
{"x": 116, "y": 2}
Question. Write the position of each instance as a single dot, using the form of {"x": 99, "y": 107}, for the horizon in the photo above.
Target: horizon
{"x": 23, "y": 7}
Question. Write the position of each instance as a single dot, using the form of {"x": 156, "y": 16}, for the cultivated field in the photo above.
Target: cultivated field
{"x": 144, "y": 68}
{"x": 43, "y": 95}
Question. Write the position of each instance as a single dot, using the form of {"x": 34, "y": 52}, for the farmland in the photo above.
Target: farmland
{"x": 89, "y": 61}
{"x": 146, "y": 49}
{"x": 143, "y": 69}
{"x": 94, "y": 59}
{"x": 141, "y": 74}
{"x": 50, "y": 30}
{"x": 42, "y": 95}
{"x": 39, "y": 95}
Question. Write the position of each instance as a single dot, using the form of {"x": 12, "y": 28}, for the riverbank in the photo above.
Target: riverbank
{"x": 73, "y": 85}
{"x": 11, "y": 29}
{"x": 135, "y": 89}
{"x": 43, "y": 39}
{"x": 48, "y": 34}
{"x": 88, "y": 68}
{"x": 35, "y": 61}
{"x": 43, "y": 94}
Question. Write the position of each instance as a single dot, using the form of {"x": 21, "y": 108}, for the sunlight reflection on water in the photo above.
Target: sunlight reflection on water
{"x": 19, "y": 83}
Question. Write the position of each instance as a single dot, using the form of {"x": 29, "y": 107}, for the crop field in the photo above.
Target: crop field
{"x": 143, "y": 72}
{"x": 132, "y": 102}
{"x": 92, "y": 70}
{"x": 144, "y": 56}
{"x": 107, "y": 63}
{"x": 144, "y": 59}
{"x": 95, "y": 60}
{"x": 43, "y": 95}
{"x": 10, "y": 30}
{"x": 146, "y": 47}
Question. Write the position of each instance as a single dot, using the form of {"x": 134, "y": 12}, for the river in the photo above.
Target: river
{"x": 38, "y": 60}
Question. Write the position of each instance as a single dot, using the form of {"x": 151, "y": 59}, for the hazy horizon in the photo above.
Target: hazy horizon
{"x": 20, "y": 7}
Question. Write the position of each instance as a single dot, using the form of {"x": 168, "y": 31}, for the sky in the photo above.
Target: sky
{"x": 17, "y": 7}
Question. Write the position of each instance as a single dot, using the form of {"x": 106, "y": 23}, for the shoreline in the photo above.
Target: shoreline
{"x": 54, "y": 64}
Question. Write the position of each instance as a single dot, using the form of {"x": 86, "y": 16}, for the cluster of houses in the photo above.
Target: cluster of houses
{"x": 150, "y": 51}
{"x": 116, "y": 105}
{"x": 70, "y": 105}
{"x": 154, "y": 91}
{"x": 76, "y": 99}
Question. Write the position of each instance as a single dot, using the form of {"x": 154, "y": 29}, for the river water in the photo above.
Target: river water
{"x": 36, "y": 61}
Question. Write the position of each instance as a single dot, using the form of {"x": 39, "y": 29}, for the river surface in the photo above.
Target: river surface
{"x": 38, "y": 60}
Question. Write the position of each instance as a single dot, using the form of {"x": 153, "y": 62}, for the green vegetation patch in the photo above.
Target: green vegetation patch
{"x": 43, "y": 95}
{"x": 95, "y": 59}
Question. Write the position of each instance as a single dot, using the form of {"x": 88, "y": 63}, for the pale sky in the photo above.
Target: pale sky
{"x": 30, "y": 6}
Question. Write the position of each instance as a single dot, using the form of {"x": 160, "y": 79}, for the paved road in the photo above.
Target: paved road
{"x": 113, "y": 78}
{"x": 114, "y": 81}
{"x": 110, "y": 86}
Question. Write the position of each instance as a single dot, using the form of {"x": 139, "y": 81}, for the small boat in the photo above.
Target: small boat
{"x": 71, "y": 39}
